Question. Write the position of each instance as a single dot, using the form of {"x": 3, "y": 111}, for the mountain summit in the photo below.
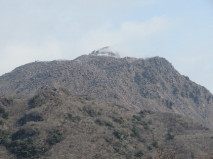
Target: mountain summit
{"x": 102, "y": 106}
{"x": 151, "y": 84}
{"x": 105, "y": 51}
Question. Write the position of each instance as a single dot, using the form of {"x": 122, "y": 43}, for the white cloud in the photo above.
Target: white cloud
{"x": 128, "y": 35}
{"x": 22, "y": 53}
{"x": 126, "y": 38}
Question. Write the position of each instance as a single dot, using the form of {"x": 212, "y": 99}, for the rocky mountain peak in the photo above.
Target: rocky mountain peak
{"x": 151, "y": 84}
{"x": 105, "y": 51}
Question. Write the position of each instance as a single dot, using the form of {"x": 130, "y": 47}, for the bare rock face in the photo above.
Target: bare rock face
{"x": 151, "y": 84}
{"x": 105, "y": 51}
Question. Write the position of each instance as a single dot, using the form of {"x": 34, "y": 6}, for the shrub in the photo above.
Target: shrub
{"x": 100, "y": 122}
{"x": 136, "y": 118}
{"x": 149, "y": 148}
{"x": 2, "y": 122}
{"x": 3, "y": 113}
{"x": 120, "y": 134}
{"x": 36, "y": 101}
{"x": 2, "y": 110}
{"x": 104, "y": 123}
{"x": 117, "y": 146}
{"x": 90, "y": 111}
{"x": 145, "y": 125}
{"x": 170, "y": 136}
{"x": 139, "y": 154}
{"x": 55, "y": 138}
{"x": 155, "y": 144}
{"x": 117, "y": 134}
{"x": 22, "y": 144}
{"x": 25, "y": 149}
{"x": 119, "y": 120}
{"x": 30, "y": 117}
{"x": 6, "y": 101}
{"x": 69, "y": 115}
{"x": 144, "y": 112}
{"x": 109, "y": 124}
{"x": 23, "y": 133}
{"x": 73, "y": 118}
{"x": 135, "y": 132}
{"x": 4, "y": 137}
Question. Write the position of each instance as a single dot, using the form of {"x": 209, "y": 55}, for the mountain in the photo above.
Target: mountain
{"x": 54, "y": 124}
{"x": 103, "y": 106}
{"x": 152, "y": 84}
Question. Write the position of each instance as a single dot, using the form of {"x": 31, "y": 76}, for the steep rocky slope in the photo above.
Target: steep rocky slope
{"x": 55, "y": 124}
{"x": 151, "y": 84}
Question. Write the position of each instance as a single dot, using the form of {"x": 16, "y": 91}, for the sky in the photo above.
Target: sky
{"x": 43, "y": 30}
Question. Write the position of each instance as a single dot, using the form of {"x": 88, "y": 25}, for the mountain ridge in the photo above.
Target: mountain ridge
{"x": 151, "y": 83}
{"x": 104, "y": 107}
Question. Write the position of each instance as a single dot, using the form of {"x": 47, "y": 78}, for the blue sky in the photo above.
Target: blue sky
{"x": 179, "y": 30}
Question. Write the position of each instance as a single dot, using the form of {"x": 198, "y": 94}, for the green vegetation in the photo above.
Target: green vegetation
{"x": 23, "y": 133}
{"x": 136, "y": 118}
{"x": 90, "y": 111}
{"x": 136, "y": 133}
{"x": 143, "y": 113}
{"x": 104, "y": 123}
{"x": 170, "y": 136}
{"x": 117, "y": 146}
{"x": 36, "y": 101}
{"x": 119, "y": 120}
{"x": 21, "y": 143}
{"x": 145, "y": 125}
{"x": 55, "y": 138}
{"x": 3, "y": 113}
{"x": 25, "y": 148}
{"x": 100, "y": 122}
{"x": 4, "y": 137}
{"x": 6, "y": 101}
{"x": 73, "y": 118}
{"x": 2, "y": 122}
{"x": 155, "y": 144}
{"x": 109, "y": 124}
{"x": 118, "y": 134}
{"x": 139, "y": 153}
{"x": 30, "y": 117}
{"x": 149, "y": 148}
